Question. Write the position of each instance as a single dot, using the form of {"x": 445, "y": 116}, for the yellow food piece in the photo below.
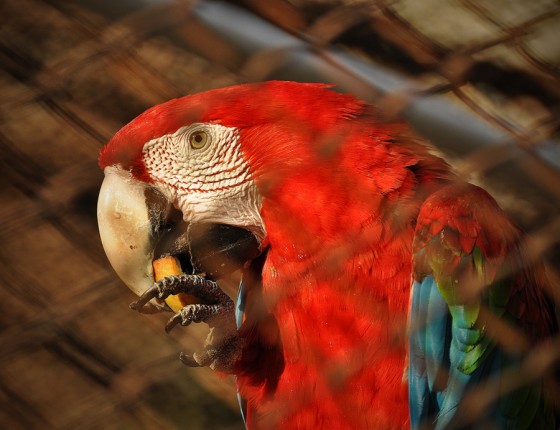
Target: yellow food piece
{"x": 167, "y": 266}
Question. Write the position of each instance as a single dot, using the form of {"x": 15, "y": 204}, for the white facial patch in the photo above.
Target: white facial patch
{"x": 202, "y": 171}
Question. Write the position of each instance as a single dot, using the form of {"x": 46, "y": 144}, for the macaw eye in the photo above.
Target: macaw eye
{"x": 199, "y": 139}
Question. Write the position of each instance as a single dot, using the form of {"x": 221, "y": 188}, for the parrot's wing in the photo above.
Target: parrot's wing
{"x": 474, "y": 311}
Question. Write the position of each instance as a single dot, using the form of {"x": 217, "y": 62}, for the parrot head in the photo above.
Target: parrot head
{"x": 205, "y": 163}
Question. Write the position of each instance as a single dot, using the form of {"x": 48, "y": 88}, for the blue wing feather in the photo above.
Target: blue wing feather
{"x": 427, "y": 348}
{"x": 437, "y": 348}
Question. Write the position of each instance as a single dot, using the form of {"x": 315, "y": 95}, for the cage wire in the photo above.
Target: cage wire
{"x": 478, "y": 78}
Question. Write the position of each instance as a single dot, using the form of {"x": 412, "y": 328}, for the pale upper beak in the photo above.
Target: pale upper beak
{"x": 125, "y": 228}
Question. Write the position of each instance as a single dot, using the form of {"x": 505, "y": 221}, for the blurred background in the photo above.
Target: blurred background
{"x": 479, "y": 78}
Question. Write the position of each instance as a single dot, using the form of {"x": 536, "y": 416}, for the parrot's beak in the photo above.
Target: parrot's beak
{"x": 126, "y": 229}
{"x": 137, "y": 224}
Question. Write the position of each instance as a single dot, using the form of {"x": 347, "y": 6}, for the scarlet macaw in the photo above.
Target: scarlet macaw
{"x": 344, "y": 210}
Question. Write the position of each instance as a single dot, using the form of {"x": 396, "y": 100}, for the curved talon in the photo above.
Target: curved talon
{"x": 148, "y": 295}
{"x": 148, "y": 308}
{"x": 173, "y": 321}
{"x": 188, "y": 360}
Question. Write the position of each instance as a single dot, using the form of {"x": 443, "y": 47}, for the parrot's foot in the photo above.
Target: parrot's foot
{"x": 223, "y": 345}
{"x": 195, "y": 285}
{"x": 220, "y": 356}
{"x": 198, "y": 313}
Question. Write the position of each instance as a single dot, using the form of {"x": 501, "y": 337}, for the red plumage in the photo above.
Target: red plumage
{"x": 326, "y": 333}
{"x": 326, "y": 306}
{"x": 341, "y": 193}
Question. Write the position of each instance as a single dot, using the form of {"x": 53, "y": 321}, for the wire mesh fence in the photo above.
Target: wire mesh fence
{"x": 479, "y": 78}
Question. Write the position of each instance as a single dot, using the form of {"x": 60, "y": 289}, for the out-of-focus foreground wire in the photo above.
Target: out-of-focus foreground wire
{"x": 480, "y": 79}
